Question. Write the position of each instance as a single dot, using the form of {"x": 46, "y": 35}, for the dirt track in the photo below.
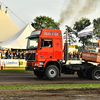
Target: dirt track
{"x": 50, "y": 94}
{"x": 29, "y": 78}
{"x": 46, "y": 94}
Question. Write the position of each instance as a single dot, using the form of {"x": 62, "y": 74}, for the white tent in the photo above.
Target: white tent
{"x": 18, "y": 41}
{"x": 7, "y": 27}
{"x": 86, "y": 31}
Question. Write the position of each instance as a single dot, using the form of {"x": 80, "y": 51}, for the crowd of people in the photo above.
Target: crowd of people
{"x": 16, "y": 54}
{"x": 9, "y": 54}
{"x": 74, "y": 55}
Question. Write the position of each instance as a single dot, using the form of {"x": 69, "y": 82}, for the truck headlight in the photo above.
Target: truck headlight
{"x": 41, "y": 64}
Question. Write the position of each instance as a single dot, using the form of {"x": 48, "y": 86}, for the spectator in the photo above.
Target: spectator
{"x": 6, "y": 52}
{"x": 80, "y": 54}
{"x": 3, "y": 55}
{"x": 14, "y": 55}
{"x": 77, "y": 55}
{"x": 69, "y": 55}
{"x": 74, "y": 55}
{"x": 17, "y": 54}
{"x": 22, "y": 55}
{"x": 8, "y": 55}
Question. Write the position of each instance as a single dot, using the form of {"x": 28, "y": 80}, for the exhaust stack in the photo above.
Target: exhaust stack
{"x": 66, "y": 48}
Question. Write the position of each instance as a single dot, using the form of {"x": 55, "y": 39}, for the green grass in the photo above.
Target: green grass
{"x": 50, "y": 86}
{"x": 13, "y": 67}
{"x": 14, "y": 70}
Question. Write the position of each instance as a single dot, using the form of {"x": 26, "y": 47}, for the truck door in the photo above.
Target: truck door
{"x": 46, "y": 50}
{"x": 58, "y": 50}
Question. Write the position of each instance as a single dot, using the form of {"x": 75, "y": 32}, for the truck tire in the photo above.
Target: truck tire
{"x": 95, "y": 73}
{"x": 39, "y": 74}
{"x": 88, "y": 73}
{"x": 51, "y": 72}
{"x": 80, "y": 74}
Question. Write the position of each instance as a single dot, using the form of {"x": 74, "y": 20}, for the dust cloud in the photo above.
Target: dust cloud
{"x": 76, "y": 9}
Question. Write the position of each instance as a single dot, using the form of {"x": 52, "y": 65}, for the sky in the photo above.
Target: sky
{"x": 66, "y": 12}
{"x": 27, "y": 10}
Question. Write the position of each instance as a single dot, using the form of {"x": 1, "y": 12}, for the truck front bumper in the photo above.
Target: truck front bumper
{"x": 32, "y": 68}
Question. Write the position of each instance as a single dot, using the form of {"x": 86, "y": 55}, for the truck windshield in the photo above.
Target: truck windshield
{"x": 32, "y": 43}
{"x": 33, "y": 40}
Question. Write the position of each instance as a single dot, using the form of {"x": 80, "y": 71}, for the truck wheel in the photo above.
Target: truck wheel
{"x": 95, "y": 73}
{"x": 51, "y": 72}
{"x": 88, "y": 73}
{"x": 39, "y": 74}
{"x": 80, "y": 74}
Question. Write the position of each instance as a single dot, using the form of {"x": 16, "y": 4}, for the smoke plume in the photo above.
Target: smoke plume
{"x": 76, "y": 9}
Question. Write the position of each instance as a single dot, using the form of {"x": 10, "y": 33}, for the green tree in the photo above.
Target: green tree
{"x": 77, "y": 47}
{"x": 70, "y": 36}
{"x": 45, "y": 22}
{"x": 96, "y": 31}
{"x": 80, "y": 25}
{"x": 91, "y": 47}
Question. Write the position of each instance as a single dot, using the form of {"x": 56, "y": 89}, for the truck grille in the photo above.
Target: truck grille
{"x": 30, "y": 56}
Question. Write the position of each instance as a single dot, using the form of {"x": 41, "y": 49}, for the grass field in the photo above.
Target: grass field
{"x": 13, "y": 69}
{"x": 50, "y": 86}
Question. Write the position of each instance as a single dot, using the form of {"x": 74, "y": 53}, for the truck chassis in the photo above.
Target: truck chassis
{"x": 53, "y": 70}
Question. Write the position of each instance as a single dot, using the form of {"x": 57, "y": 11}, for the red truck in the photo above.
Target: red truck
{"x": 45, "y": 55}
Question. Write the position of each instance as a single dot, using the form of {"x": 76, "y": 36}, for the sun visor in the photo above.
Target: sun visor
{"x": 33, "y": 36}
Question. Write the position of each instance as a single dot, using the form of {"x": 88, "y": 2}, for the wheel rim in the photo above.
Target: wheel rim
{"x": 97, "y": 74}
{"x": 52, "y": 73}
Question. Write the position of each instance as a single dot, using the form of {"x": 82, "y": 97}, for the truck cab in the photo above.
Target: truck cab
{"x": 44, "y": 53}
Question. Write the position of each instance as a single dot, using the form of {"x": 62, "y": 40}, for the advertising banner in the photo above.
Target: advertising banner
{"x": 22, "y": 62}
{"x": 9, "y": 62}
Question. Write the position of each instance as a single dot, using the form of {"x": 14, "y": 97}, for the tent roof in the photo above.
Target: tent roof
{"x": 18, "y": 41}
{"x": 7, "y": 27}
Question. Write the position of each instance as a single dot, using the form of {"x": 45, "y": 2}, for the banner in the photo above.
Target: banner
{"x": 9, "y": 62}
{"x": 86, "y": 31}
{"x": 22, "y": 62}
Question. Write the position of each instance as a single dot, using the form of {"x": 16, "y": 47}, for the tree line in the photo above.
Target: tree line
{"x": 41, "y": 22}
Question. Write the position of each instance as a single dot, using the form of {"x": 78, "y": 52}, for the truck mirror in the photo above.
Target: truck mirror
{"x": 42, "y": 40}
